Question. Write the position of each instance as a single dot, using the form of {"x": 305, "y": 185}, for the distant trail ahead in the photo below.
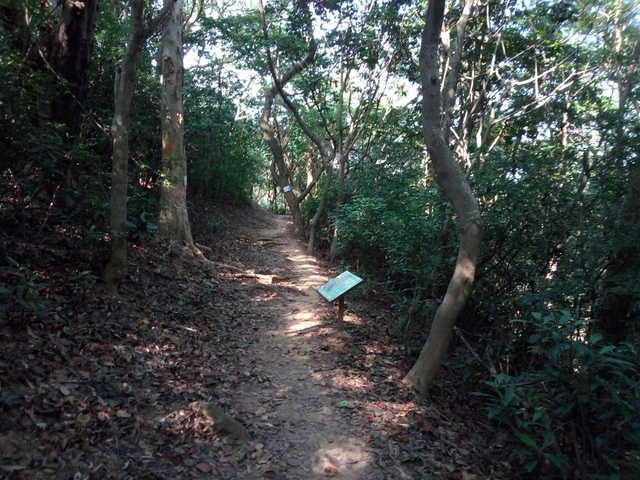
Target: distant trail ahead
{"x": 227, "y": 369}
{"x": 310, "y": 414}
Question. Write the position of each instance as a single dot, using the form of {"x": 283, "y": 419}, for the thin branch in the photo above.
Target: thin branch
{"x": 488, "y": 365}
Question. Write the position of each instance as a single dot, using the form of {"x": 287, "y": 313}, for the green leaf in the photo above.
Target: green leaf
{"x": 607, "y": 349}
{"x": 509, "y": 395}
{"x": 613, "y": 391}
{"x": 344, "y": 404}
{"x": 557, "y": 461}
{"x": 539, "y": 412}
{"x": 529, "y": 466}
{"x": 493, "y": 412}
{"x": 595, "y": 338}
{"x": 526, "y": 439}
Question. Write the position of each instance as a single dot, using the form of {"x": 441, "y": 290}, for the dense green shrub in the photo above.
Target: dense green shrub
{"x": 20, "y": 295}
{"x": 575, "y": 404}
{"x": 223, "y": 155}
{"x": 394, "y": 235}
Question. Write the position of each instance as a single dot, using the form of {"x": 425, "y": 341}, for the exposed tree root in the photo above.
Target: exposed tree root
{"x": 266, "y": 286}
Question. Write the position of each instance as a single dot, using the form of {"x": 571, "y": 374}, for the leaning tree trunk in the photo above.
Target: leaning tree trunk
{"x": 173, "y": 218}
{"x": 452, "y": 180}
{"x": 116, "y": 268}
{"x": 292, "y": 196}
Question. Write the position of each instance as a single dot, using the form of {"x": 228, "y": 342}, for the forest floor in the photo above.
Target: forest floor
{"x": 96, "y": 387}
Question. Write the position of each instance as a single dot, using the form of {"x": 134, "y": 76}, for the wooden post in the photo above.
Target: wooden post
{"x": 336, "y": 289}
{"x": 340, "y": 323}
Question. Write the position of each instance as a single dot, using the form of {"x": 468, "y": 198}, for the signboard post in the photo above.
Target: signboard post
{"x": 336, "y": 289}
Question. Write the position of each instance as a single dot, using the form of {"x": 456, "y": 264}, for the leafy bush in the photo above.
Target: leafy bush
{"x": 576, "y": 406}
{"x": 392, "y": 233}
{"x": 19, "y": 292}
{"x": 223, "y": 152}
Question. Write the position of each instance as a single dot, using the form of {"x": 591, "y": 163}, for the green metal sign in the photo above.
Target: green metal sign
{"x": 338, "y": 286}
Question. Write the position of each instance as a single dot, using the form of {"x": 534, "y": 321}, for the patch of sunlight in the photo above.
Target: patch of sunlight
{"x": 303, "y": 325}
{"x": 303, "y": 261}
{"x": 349, "y": 452}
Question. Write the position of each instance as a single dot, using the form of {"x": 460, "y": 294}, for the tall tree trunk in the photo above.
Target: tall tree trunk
{"x": 116, "y": 269}
{"x": 452, "y": 180}
{"x": 614, "y": 309}
{"x": 313, "y": 223}
{"x": 70, "y": 58}
{"x": 173, "y": 218}
{"x": 279, "y": 169}
{"x": 333, "y": 251}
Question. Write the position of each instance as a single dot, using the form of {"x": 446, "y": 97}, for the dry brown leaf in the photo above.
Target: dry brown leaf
{"x": 330, "y": 471}
{"x": 204, "y": 467}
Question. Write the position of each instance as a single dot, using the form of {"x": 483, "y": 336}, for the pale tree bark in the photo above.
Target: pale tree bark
{"x": 293, "y": 196}
{"x": 173, "y": 218}
{"x": 451, "y": 178}
{"x": 455, "y": 62}
{"x": 313, "y": 223}
{"x": 117, "y": 266}
{"x": 342, "y": 161}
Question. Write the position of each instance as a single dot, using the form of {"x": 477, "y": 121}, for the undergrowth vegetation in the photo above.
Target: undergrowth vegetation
{"x": 544, "y": 123}
{"x": 573, "y": 400}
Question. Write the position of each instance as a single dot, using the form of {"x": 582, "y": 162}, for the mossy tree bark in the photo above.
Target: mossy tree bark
{"x": 452, "y": 179}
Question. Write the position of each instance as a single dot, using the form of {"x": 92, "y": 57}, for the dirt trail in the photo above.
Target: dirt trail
{"x": 93, "y": 387}
{"x": 299, "y": 406}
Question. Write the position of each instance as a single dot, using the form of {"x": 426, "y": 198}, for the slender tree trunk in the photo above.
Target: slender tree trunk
{"x": 335, "y": 238}
{"x": 452, "y": 180}
{"x": 116, "y": 269}
{"x": 342, "y": 161}
{"x": 173, "y": 218}
{"x": 313, "y": 223}
{"x": 292, "y": 196}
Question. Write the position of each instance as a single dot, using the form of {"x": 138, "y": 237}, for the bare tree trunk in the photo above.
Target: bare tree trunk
{"x": 70, "y": 58}
{"x": 116, "y": 269}
{"x": 452, "y": 180}
{"x": 334, "y": 239}
{"x": 173, "y": 218}
{"x": 614, "y": 309}
{"x": 313, "y": 223}
{"x": 292, "y": 196}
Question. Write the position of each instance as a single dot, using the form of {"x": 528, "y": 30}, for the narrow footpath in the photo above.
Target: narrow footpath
{"x": 231, "y": 369}
{"x": 316, "y": 421}
{"x": 325, "y": 406}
